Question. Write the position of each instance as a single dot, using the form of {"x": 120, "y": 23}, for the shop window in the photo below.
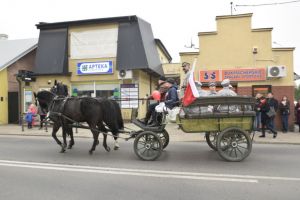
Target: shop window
{"x": 27, "y": 99}
{"x": 95, "y": 90}
{"x": 263, "y": 89}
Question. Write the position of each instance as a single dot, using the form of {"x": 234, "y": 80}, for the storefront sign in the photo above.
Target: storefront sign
{"x": 244, "y": 74}
{"x": 209, "y": 75}
{"x": 103, "y": 67}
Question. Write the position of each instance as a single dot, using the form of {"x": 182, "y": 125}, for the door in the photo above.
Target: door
{"x": 13, "y": 108}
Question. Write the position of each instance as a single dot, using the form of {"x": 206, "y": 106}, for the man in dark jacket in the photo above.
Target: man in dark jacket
{"x": 172, "y": 99}
{"x": 265, "y": 119}
{"x": 273, "y": 103}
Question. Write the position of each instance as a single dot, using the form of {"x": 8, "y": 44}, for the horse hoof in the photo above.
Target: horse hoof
{"x": 69, "y": 147}
{"x": 62, "y": 151}
{"x": 91, "y": 152}
{"x": 107, "y": 149}
{"x": 116, "y": 148}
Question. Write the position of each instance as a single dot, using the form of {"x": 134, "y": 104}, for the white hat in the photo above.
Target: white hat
{"x": 225, "y": 82}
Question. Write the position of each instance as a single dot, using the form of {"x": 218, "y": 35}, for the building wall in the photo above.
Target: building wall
{"x": 24, "y": 63}
{"x": 162, "y": 57}
{"x": 3, "y": 97}
{"x": 231, "y": 47}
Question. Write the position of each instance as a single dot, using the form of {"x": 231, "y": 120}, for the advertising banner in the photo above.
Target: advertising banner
{"x": 209, "y": 75}
{"x": 244, "y": 74}
{"x": 101, "y": 67}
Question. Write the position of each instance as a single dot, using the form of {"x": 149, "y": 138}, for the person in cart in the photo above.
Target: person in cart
{"x": 171, "y": 99}
{"x": 159, "y": 96}
{"x": 212, "y": 89}
{"x": 226, "y": 91}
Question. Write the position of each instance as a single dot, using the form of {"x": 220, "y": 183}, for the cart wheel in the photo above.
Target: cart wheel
{"x": 211, "y": 139}
{"x": 164, "y": 137}
{"x": 234, "y": 144}
{"x": 147, "y": 146}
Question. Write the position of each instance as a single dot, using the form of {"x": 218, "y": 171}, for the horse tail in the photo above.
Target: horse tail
{"x": 118, "y": 114}
{"x": 109, "y": 116}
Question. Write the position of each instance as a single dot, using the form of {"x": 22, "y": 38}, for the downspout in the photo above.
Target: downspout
{"x": 20, "y": 102}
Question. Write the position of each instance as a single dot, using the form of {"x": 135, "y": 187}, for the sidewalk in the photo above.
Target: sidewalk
{"x": 175, "y": 134}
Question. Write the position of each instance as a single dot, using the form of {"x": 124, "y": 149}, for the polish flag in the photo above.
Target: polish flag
{"x": 191, "y": 92}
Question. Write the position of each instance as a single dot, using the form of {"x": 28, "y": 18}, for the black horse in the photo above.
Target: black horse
{"x": 95, "y": 112}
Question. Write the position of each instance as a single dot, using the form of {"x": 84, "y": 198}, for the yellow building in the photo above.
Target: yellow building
{"x": 108, "y": 57}
{"x": 245, "y": 56}
{"x": 3, "y": 97}
{"x": 16, "y": 56}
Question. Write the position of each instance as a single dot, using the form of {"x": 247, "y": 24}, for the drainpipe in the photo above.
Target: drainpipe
{"x": 20, "y": 102}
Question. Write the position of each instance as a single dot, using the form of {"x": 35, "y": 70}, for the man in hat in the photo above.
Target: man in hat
{"x": 212, "y": 89}
{"x": 171, "y": 99}
{"x": 186, "y": 67}
{"x": 226, "y": 91}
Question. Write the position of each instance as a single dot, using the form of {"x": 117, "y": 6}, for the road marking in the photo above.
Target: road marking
{"x": 123, "y": 171}
{"x": 145, "y": 173}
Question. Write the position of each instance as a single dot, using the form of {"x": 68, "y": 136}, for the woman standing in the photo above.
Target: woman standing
{"x": 284, "y": 108}
{"x": 297, "y": 113}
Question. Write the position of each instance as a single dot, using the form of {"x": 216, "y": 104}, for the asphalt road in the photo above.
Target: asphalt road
{"x": 32, "y": 168}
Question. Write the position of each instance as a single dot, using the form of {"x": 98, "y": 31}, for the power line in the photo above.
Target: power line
{"x": 270, "y": 4}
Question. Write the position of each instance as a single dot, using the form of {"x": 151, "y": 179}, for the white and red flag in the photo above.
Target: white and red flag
{"x": 191, "y": 92}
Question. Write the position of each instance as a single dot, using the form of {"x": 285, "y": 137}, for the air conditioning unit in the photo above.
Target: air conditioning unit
{"x": 125, "y": 74}
{"x": 276, "y": 71}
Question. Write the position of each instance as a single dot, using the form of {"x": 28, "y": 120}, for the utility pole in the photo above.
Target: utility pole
{"x": 231, "y": 7}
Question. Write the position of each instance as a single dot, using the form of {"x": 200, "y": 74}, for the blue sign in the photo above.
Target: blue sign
{"x": 103, "y": 67}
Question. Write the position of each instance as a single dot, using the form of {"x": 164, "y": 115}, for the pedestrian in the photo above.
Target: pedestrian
{"x": 33, "y": 110}
{"x": 284, "y": 109}
{"x": 265, "y": 118}
{"x": 297, "y": 113}
{"x": 29, "y": 118}
{"x": 273, "y": 103}
{"x": 257, "y": 109}
{"x": 42, "y": 114}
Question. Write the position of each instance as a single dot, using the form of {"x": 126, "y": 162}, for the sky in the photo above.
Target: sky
{"x": 174, "y": 22}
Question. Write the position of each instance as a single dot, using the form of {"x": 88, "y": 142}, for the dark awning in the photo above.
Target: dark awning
{"x": 137, "y": 48}
{"x": 52, "y": 53}
{"x": 296, "y": 76}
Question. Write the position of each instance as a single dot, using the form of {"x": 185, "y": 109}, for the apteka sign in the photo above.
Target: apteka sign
{"x": 103, "y": 67}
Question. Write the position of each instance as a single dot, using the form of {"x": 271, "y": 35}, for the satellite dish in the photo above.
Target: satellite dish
{"x": 122, "y": 73}
{"x": 274, "y": 71}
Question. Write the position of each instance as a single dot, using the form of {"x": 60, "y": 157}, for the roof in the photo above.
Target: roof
{"x": 163, "y": 49}
{"x": 54, "y": 25}
{"x": 136, "y": 47}
{"x": 234, "y": 16}
{"x": 296, "y": 76}
{"x": 13, "y": 50}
